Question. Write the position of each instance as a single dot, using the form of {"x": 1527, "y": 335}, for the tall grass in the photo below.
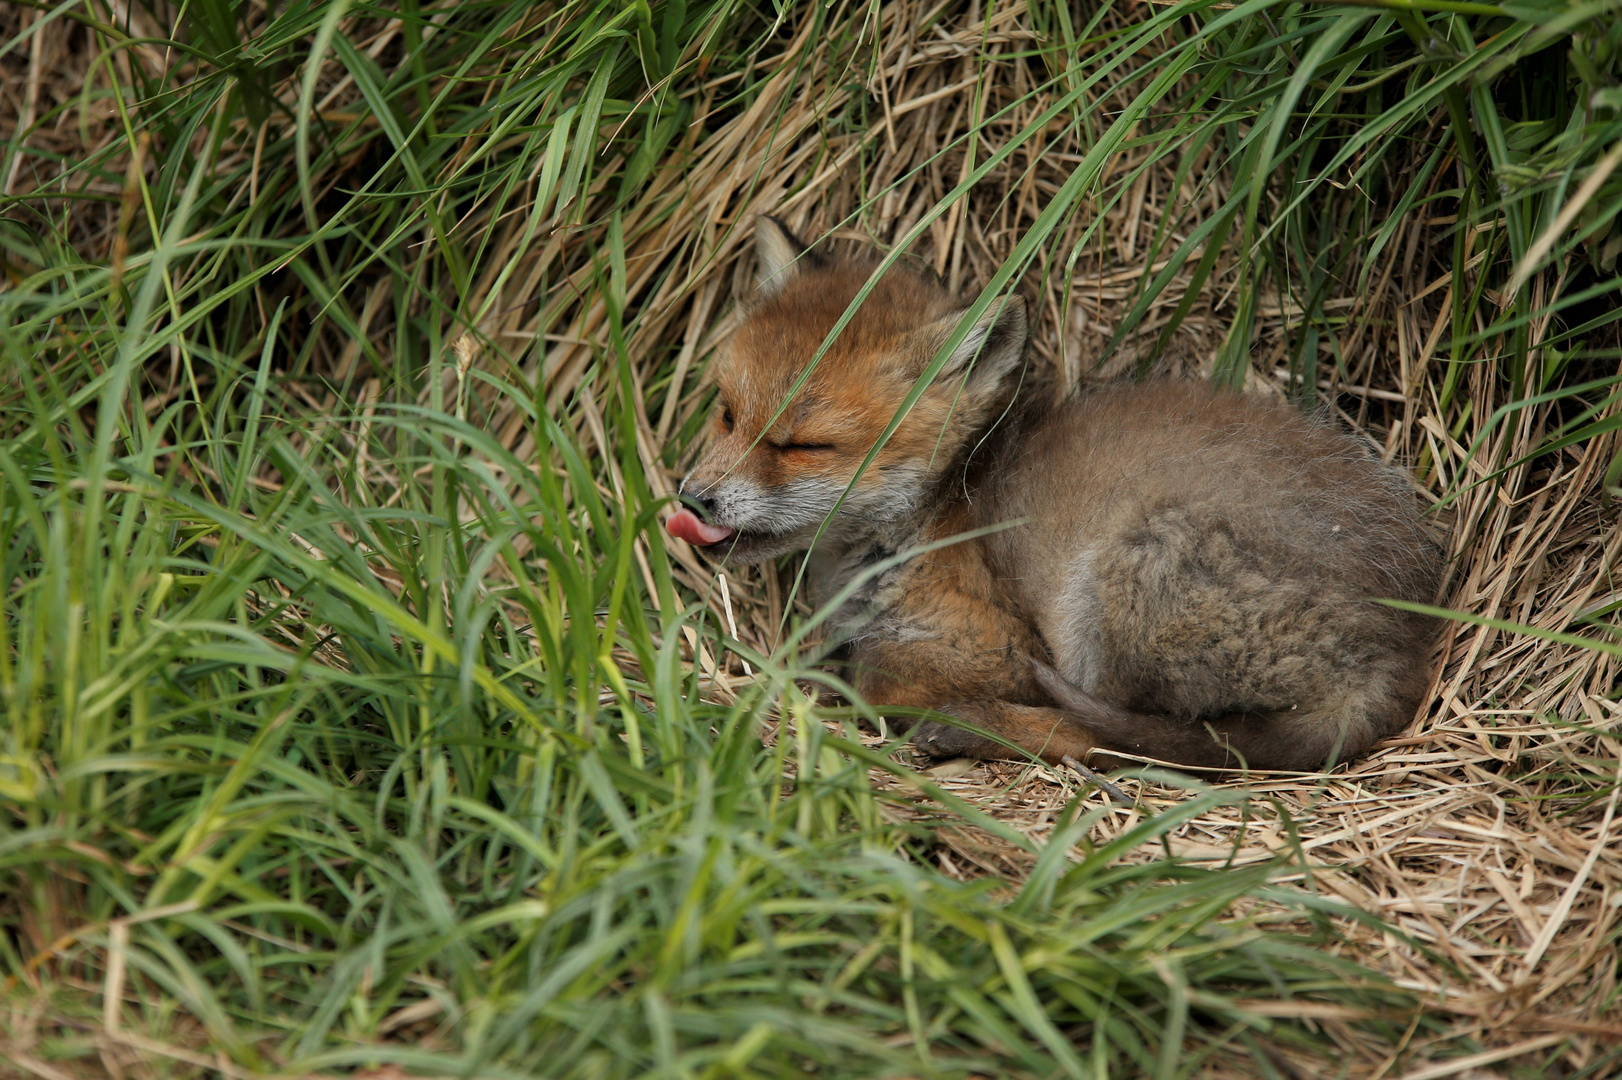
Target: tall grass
{"x": 357, "y": 714}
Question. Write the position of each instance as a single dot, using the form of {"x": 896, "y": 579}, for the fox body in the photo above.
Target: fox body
{"x": 1183, "y": 572}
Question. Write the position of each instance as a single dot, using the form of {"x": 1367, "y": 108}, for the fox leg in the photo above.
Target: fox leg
{"x": 991, "y": 725}
{"x": 951, "y": 646}
{"x": 981, "y": 689}
{"x": 1043, "y": 732}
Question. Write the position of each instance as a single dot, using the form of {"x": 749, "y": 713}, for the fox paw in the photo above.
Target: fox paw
{"x": 938, "y": 740}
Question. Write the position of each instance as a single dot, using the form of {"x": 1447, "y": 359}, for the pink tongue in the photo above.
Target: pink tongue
{"x": 685, "y": 525}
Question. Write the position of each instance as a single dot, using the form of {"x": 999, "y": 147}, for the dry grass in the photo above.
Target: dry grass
{"x": 1469, "y": 834}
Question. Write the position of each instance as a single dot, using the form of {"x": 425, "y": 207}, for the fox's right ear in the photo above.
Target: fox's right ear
{"x": 993, "y": 348}
{"x": 780, "y": 254}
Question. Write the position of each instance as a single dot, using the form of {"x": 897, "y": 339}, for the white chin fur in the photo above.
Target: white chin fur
{"x": 787, "y": 518}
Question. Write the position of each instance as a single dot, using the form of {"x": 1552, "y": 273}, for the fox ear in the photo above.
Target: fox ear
{"x": 779, "y": 254}
{"x": 992, "y": 349}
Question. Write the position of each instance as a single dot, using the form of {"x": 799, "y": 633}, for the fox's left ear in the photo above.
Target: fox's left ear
{"x": 779, "y": 255}
{"x": 991, "y": 350}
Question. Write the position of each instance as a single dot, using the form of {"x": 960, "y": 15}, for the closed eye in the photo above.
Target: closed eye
{"x": 807, "y": 446}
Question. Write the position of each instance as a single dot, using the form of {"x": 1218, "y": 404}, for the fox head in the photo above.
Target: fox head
{"x": 779, "y": 462}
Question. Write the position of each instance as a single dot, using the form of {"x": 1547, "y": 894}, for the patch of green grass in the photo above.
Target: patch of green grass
{"x": 370, "y": 756}
{"x": 341, "y": 729}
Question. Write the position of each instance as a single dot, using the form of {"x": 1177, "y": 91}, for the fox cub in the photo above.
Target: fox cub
{"x": 1190, "y": 575}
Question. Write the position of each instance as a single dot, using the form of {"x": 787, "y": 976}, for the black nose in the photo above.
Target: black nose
{"x": 703, "y": 503}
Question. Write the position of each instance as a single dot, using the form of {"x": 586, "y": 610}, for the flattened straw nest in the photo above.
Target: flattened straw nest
{"x": 1460, "y": 833}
